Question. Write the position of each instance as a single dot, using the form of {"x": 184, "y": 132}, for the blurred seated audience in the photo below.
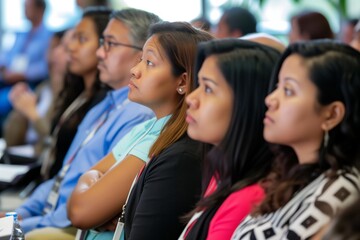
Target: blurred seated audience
{"x": 29, "y": 122}
{"x": 309, "y": 25}
{"x": 201, "y": 23}
{"x": 347, "y": 30}
{"x": 26, "y": 60}
{"x": 355, "y": 43}
{"x": 91, "y": 3}
{"x": 235, "y": 22}
{"x": 266, "y": 39}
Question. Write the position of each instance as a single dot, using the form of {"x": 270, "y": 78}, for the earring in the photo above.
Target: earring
{"x": 326, "y": 139}
{"x": 180, "y": 91}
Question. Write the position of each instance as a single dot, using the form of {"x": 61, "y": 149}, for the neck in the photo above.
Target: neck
{"x": 307, "y": 154}
{"x": 36, "y": 23}
{"x": 117, "y": 84}
{"x": 166, "y": 107}
{"x": 89, "y": 80}
{"x": 163, "y": 111}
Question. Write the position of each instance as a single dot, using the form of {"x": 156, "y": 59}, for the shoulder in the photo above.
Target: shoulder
{"x": 184, "y": 145}
{"x": 138, "y": 110}
{"x": 340, "y": 189}
{"x": 244, "y": 199}
{"x": 253, "y": 193}
{"x": 184, "y": 153}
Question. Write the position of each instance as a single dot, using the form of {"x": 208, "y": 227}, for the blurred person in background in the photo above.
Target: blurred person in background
{"x": 26, "y": 60}
{"x": 91, "y": 3}
{"x": 347, "y": 30}
{"x": 355, "y": 43}
{"x": 29, "y": 122}
{"x": 235, "y": 22}
{"x": 201, "y": 23}
{"x": 309, "y": 25}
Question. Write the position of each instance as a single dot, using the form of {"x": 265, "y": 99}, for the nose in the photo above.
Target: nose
{"x": 71, "y": 45}
{"x": 270, "y": 100}
{"x": 100, "y": 52}
{"x": 135, "y": 71}
{"x": 192, "y": 99}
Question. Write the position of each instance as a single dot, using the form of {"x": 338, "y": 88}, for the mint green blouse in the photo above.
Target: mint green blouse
{"x": 137, "y": 143}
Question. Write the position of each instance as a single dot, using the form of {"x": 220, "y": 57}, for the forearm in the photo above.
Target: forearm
{"x": 110, "y": 190}
{"x": 41, "y": 126}
{"x": 77, "y": 201}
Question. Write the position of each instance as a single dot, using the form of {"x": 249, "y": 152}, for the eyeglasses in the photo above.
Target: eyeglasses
{"x": 108, "y": 45}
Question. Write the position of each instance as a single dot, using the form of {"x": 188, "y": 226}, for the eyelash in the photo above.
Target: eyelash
{"x": 82, "y": 39}
{"x": 149, "y": 63}
{"x": 288, "y": 92}
{"x": 111, "y": 44}
{"x": 207, "y": 89}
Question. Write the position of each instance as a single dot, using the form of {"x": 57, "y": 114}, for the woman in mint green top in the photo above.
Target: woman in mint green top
{"x": 160, "y": 81}
{"x": 139, "y": 140}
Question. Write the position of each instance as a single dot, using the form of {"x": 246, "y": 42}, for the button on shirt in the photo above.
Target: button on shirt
{"x": 120, "y": 121}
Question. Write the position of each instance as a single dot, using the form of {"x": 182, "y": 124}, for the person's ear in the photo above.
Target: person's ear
{"x": 334, "y": 114}
{"x": 182, "y": 86}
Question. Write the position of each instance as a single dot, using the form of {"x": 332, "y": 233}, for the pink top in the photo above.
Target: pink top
{"x": 233, "y": 210}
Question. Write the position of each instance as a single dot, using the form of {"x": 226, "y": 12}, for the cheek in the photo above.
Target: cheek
{"x": 212, "y": 123}
{"x": 159, "y": 87}
{"x": 293, "y": 125}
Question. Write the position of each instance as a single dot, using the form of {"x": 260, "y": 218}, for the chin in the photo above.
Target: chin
{"x": 192, "y": 134}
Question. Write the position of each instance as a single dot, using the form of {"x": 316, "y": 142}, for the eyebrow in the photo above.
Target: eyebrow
{"x": 205, "y": 79}
{"x": 291, "y": 80}
{"x": 107, "y": 36}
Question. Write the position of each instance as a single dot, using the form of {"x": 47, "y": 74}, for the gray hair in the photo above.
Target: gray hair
{"x": 137, "y": 21}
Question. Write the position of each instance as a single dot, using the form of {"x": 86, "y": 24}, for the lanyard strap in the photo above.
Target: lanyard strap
{"x": 54, "y": 193}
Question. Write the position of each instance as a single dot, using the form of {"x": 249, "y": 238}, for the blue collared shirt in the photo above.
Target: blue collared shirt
{"x": 121, "y": 120}
{"x": 34, "y": 45}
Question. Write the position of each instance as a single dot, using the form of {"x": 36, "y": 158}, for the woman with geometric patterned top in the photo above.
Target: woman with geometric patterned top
{"x": 313, "y": 118}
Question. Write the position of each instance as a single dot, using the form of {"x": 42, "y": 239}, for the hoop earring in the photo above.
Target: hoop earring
{"x": 326, "y": 139}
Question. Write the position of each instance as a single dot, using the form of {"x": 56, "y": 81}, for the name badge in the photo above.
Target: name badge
{"x": 19, "y": 64}
{"x": 119, "y": 230}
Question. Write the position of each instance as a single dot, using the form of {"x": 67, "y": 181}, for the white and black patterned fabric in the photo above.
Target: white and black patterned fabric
{"x": 307, "y": 212}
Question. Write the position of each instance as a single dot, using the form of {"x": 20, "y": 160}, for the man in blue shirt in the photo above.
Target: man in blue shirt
{"x": 120, "y": 50}
{"x": 27, "y": 59}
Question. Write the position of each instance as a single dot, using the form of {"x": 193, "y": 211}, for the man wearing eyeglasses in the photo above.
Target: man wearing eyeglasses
{"x": 103, "y": 126}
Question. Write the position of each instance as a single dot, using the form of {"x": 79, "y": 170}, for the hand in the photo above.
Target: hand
{"x": 110, "y": 225}
{"x": 90, "y": 177}
{"x": 2, "y": 214}
{"x": 24, "y": 101}
{"x": 12, "y": 78}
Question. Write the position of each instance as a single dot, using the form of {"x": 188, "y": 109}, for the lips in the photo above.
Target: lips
{"x": 101, "y": 66}
{"x": 131, "y": 84}
{"x": 189, "y": 119}
{"x": 72, "y": 59}
{"x": 268, "y": 119}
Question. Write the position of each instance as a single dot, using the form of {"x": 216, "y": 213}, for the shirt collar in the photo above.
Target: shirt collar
{"x": 118, "y": 96}
{"x": 160, "y": 123}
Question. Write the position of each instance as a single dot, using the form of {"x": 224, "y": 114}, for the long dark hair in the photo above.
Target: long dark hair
{"x": 243, "y": 157}
{"x": 74, "y": 84}
{"x": 334, "y": 68}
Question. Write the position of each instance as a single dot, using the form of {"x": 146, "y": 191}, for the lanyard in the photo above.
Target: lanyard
{"x": 54, "y": 193}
